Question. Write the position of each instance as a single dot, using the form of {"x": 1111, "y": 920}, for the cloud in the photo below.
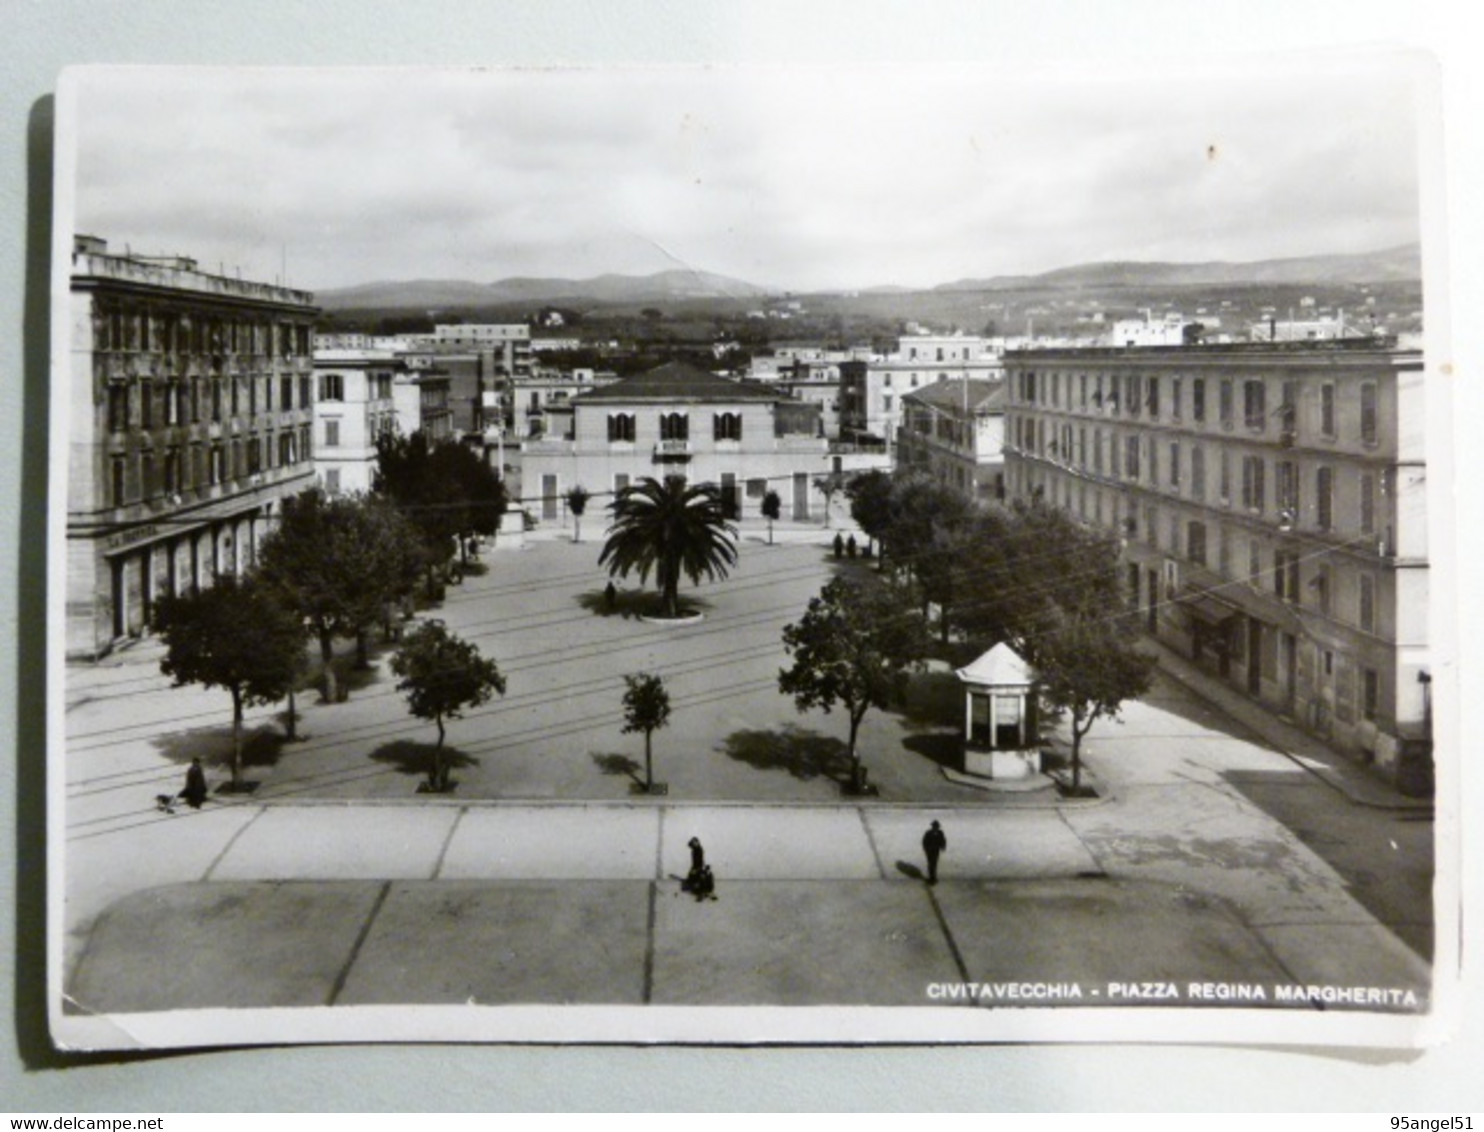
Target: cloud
{"x": 797, "y": 176}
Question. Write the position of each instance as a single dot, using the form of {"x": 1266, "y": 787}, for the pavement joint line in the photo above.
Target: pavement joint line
{"x": 648, "y": 989}
{"x": 871, "y": 841}
{"x": 958, "y": 958}
{"x": 453, "y": 827}
{"x": 231, "y": 843}
{"x": 355, "y": 948}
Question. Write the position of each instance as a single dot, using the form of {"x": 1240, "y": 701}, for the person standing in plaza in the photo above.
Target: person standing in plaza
{"x": 934, "y": 841}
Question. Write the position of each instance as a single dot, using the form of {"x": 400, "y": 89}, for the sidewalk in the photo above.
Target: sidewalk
{"x": 1330, "y": 766}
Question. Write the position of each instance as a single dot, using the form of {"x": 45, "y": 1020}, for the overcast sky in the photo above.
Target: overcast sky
{"x": 797, "y": 178}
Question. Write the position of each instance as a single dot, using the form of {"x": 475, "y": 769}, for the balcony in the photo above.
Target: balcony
{"x": 669, "y": 450}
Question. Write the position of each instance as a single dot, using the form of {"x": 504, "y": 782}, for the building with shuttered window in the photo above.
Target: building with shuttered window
{"x": 192, "y": 401}
{"x": 1271, "y": 502}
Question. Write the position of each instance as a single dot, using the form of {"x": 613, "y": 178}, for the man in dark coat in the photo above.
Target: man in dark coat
{"x": 934, "y": 841}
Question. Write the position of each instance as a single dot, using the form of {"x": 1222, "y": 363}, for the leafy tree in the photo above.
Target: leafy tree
{"x": 1088, "y": 668}
{"x": 442, "y": 675}
{"x": 853, "y": 648}
{"x": 337, "y": 562}
{"x": 236, "y": 635}
{"x": 772, "y": 508}
{"x": 446, "y": 489}
{"x": 672, "y": 529}
{"x": 577, "y": 503}
{"x": 646, "y": 708}
{"x": 870, "y": 504}
{"x": 829, "y": 486}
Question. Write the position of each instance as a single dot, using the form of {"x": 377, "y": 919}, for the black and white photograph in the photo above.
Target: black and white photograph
{"x": 751, "y": 554}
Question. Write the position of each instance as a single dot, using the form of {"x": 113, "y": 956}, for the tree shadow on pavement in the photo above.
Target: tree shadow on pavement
{"x": 945, "y": 748}
{"x": 804, "y": 754}
{"x": 630, "y": 604}
{"x": 407, "y": 757}
{"x": 618, "y": 764}
{"x": 261, "y": 746}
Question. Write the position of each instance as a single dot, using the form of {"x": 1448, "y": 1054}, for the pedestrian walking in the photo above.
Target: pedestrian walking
{"x": 934, "y": 841}
{"x": 850, "y": 546}
{"x": 195, "y": 785}
{"x": 839, "y": 545}
{"x": 610, "y": 596}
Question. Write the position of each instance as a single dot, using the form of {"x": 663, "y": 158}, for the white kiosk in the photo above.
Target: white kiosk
{"x": 1001, "y": 725}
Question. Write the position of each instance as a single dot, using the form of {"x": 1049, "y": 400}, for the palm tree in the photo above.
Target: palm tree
{"x": 670, "y": 528}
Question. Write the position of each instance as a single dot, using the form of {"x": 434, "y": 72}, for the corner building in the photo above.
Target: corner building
{"x": 191, "y": 406}
{"x": 1270, "y": 499}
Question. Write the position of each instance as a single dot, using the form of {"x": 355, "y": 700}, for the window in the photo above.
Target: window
{"x": 1198, "y": 473}
{"x": 332, "y": 480}
{"x": 1367, "y": 503}
{"x": 1097, "y": 451}
{"x": 1323, "y": 586}
{"x": 1226, "y": 404}
{"x": 1254, "y": 563}
{"x": 1253, "y": 493}
{"x": 118, "y": 485}
{"x": 1131, "y": 395}
{"x": 1367, "y": 603}
{"x": 1198, "y": 399}
{"x": 1153, "y": 462}
{"x": 1327, "y": 409}
{"x": 1286, "y": 575}
{"x": 331, "y": 387}
{"x": 1368, "y": 413}
{"x": 727, "y": 426}
{"x": 1151, "y": 521}
{"x": 146, "y": 404}
{"x": 1226, "y": 479}
{"x": 886, "y": 403}
{"x": 1176, "y": 409}
{"x": 1131, "y": 457}
{"x": 620, "y": 481}
{"x": 1153, "y": 398}
{"x": 1371, "y": 701}
{"x": 1288, "y": 492}
{"x": 118, "y": 407}
{"x": 1174, "y": 465}
{"x": 332, "y": 434}
{"x": 305, "y": 386}
{"x": 1195, "y": 543}
{"x": 1324, "y": 488}
{"x": 621, "y": 428}
{"x": 285, "y": 394}
{"x": 1288, "y": 412}
{"x": 1254, "y": 405}
{"x": 146, "y": 475}
{"x": 674, "y": 426}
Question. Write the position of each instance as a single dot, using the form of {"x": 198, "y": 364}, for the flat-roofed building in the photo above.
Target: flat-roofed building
{"x": 1271, "y": 499}
{"x": 191, "y": 408}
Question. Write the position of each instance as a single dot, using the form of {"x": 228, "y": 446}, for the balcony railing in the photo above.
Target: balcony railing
{"x": 672, "y": 450}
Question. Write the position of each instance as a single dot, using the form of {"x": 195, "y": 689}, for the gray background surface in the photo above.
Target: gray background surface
{"x": 41, "y": 36}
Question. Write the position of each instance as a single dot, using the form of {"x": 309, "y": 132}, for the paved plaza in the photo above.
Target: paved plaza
{"x": 543, "y": 878}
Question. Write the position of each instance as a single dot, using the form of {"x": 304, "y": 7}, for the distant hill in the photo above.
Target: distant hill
{"x": 1399, "y": 264}
{"x": 435, "y": 294}
{"x": 1389, "y": 265}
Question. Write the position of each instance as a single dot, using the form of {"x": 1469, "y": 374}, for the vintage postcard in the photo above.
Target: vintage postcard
{"x": 795, "y": 554}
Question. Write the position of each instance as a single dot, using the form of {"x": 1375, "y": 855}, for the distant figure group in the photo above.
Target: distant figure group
{"x": 699, "y": 882}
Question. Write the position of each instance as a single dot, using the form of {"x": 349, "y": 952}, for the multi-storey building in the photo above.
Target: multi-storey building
{"x": 191, "y": 410}
{"x": 1271, "y": 502}
{"x": 871, "y": 391}
{"x": 955, "y": 432}
{"x": 354, "y": 407}
{"x": 680, "y": 420}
